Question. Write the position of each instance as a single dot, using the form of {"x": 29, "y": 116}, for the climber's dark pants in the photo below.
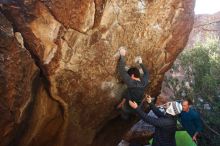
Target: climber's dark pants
{"x": 126, "y": 112}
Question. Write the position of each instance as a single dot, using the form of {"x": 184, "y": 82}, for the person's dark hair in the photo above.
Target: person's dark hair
{"x": 135, "y": 71}
{"x": 189, "y": 101}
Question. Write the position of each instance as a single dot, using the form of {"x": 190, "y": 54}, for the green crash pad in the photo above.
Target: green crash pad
{"x": 183, "y": 139}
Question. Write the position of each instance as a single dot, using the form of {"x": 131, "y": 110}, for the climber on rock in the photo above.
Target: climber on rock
{"x": 165, "y": 124}
{"x": 135, "y": 83}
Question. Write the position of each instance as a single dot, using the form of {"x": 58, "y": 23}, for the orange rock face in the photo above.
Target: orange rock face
{"x": 18, "y": 74}
{"x": 73, "y": 44}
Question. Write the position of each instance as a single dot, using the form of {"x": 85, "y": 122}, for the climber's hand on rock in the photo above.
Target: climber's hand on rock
{"x": 138, "y": 60}
{"x": 122, "y": 51}
{"x": 133, "y": 104}
{"x": 148, "y": 98}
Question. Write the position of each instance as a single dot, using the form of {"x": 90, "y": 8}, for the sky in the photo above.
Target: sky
{"x": 207, "y": 6}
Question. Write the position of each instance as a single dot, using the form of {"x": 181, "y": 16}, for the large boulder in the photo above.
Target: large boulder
{"x": 17, "y": 81}
{"x": 73, "y": 43}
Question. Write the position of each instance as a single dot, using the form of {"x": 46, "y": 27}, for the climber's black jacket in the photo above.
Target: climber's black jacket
{"x": 135, "y": 89}
{"x": 165, "y": 126}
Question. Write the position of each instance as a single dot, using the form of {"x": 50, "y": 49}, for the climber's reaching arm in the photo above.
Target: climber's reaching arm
{"x": 162, "y": 122}
{"x": 138, "y": 60}
{"x": 146, "y": 74}
{"x": 152, "y": 120}
{"x": 123, "y": 73}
